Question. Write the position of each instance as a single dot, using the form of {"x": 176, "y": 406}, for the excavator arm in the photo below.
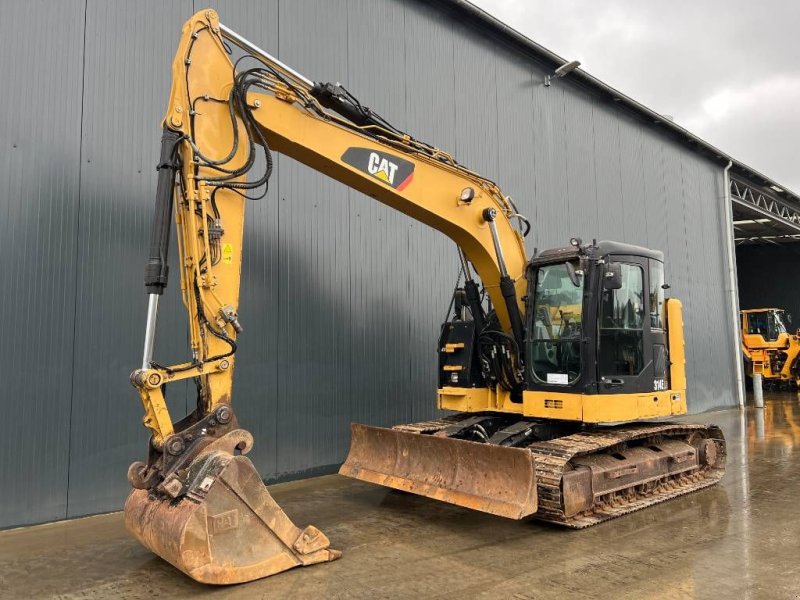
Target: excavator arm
{"x": 196, "y": 484}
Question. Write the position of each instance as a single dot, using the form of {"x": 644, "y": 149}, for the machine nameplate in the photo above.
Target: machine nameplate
{"x": 392, "y": 170}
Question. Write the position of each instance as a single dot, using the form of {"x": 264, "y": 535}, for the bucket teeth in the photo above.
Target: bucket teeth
{"x": 227, "y": 528}
{"x": 493, "y": 479}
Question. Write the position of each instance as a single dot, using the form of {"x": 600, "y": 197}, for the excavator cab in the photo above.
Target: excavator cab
{"x": 596, "y": 319}
{"x": 596, "y": 323}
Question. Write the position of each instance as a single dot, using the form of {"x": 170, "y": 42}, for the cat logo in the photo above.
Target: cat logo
{"x": 391, "y": 170}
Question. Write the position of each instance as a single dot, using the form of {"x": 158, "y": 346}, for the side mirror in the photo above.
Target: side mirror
{"x": 574, "y": 274}
{"x": 612, "y": 276}
{"x": 788, "y": 316}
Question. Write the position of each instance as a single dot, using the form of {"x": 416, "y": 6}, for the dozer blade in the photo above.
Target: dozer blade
{"x": 490, "y": 478}
{"x": 227, "y": 528}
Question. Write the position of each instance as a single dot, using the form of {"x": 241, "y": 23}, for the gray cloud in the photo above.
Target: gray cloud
{"x": 728, "y": 70}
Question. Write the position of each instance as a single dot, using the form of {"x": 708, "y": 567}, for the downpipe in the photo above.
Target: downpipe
{"x": 732, "y": 286}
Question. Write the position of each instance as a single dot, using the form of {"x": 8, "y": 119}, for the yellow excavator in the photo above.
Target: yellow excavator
{"x": 545, "y": 361}
{"x": 769, "y": 348}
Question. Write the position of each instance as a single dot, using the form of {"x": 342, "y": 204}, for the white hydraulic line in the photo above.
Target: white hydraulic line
{"x": 732, "y": 287}
{"x": 250, "y": 47}
{"x": 150, "y": 330}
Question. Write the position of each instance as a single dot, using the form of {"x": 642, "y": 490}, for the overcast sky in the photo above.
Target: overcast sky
{"x": 727, "y": 70}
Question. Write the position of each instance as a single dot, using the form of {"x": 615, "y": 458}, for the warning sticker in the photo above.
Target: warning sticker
{"x": 227, "y": 253}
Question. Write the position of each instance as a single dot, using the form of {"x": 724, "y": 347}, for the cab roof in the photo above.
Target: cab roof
{"x": 601, "y": 248}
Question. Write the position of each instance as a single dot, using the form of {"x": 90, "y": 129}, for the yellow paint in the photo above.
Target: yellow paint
{"x": 676, "y": 343}
{"x": 588, "y": 408}
{"x": 450, "y": 348}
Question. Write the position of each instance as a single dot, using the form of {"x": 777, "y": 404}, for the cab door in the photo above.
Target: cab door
{"x": 632, "y": 349}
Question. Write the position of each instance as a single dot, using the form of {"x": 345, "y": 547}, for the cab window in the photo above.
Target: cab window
{"x": 768, "y": 324}
{"x": 656, "y": 294}
{"x": 622, "y": 325}
{"x": 554, "y": 346}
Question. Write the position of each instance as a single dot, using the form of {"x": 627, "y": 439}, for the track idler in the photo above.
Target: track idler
{"x": 214, "y": 519}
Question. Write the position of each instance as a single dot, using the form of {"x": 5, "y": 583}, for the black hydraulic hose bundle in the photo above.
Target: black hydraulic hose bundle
{"x": 499, "y": 357}
{"x": 509, "y": 292}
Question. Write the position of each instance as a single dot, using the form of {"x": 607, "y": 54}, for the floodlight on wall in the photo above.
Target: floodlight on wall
{"x": 562, "y": 71}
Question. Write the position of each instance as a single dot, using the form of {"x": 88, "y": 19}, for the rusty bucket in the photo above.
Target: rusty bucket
{"x": 490, "y": 478}
{"x": 231, "y": 531}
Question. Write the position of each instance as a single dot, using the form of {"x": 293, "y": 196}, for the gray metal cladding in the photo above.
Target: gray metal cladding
{"x": 40, "y": 132}
{"x": 549, "y": 158}
{"x": 516, "y": 136}
{"x": 342, "y": 298}
{"x": 380, "y": 328}
{"x": 430, "y": 84}
{"x": 314, "y": 375}
{"x": 632, "y": 184}
{"x": 609, "y": 203}
{"x": 126, "y": 83}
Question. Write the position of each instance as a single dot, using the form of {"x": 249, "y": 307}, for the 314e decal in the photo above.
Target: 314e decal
{"x": 391, "y": 170}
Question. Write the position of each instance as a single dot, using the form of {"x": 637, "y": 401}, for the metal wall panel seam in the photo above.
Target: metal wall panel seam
{"x": 77, "y": 263}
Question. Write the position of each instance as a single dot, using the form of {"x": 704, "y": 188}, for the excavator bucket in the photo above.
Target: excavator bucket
{"x": 486, "y": 477}
{"x": 227, "y": 528}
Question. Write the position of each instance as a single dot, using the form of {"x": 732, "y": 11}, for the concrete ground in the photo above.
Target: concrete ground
{"x": 740, "y": 539}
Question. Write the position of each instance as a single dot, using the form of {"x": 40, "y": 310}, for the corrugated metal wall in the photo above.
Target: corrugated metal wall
{"x": 323, "y": 264}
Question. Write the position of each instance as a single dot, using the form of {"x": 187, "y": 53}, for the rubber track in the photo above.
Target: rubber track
{"x": 553, "y": 456}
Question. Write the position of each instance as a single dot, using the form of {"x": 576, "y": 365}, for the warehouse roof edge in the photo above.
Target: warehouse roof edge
{"x": 481, "y": 19}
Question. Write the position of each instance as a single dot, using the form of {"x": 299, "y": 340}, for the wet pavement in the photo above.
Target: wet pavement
{"x": 740, "y": 539}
